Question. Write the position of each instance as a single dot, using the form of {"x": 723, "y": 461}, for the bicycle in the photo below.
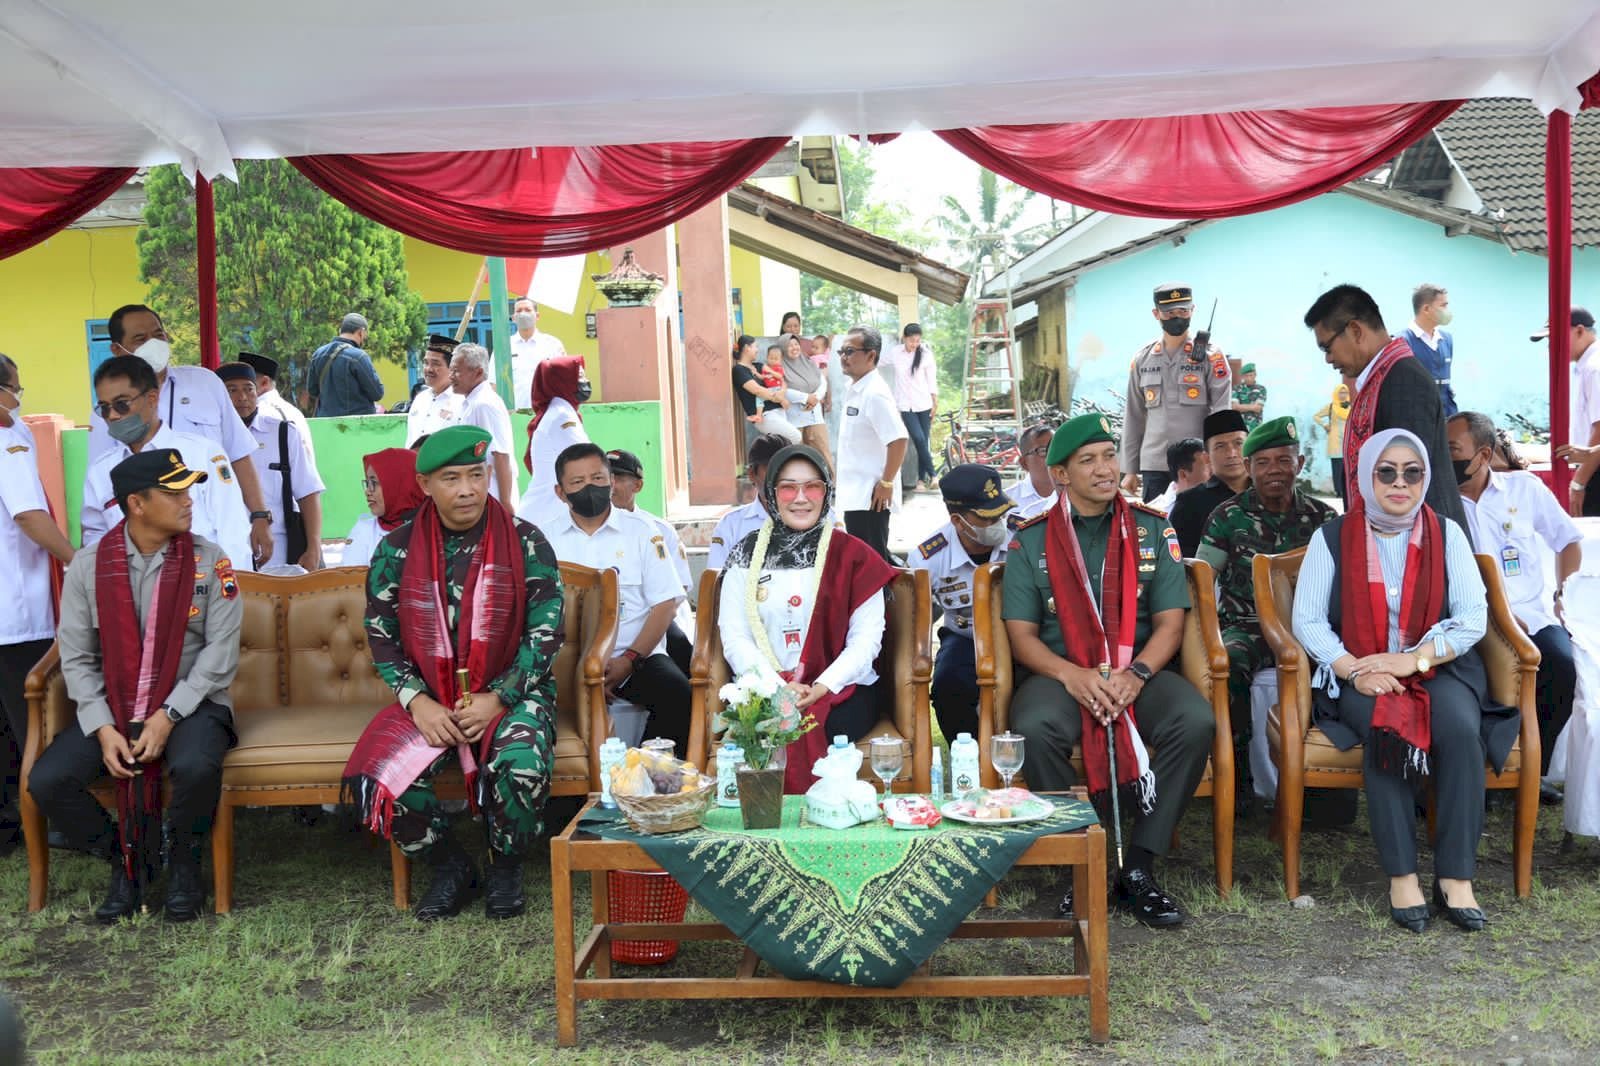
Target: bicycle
{"x": 996, "y": 448}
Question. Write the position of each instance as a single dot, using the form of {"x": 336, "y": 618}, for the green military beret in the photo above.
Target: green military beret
{"x": 455, "y": 446}
{"x": 1278, "y": 433}
{"x": 1248, "y": 368}
{"x": 1075, "y": 433}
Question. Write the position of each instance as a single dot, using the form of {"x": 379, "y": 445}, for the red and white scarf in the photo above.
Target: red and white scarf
{"x": 1364, "y": 411}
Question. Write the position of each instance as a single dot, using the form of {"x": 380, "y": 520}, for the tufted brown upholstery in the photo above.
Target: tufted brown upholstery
{"x": 906, "y": 664}
{"x": 305, "y": 690}
{"x": 1307, "y": 759}
{"x": 1202, "y": 659}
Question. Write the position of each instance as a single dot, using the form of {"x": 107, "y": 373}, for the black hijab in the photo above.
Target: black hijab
{"x": 788, "y": 549}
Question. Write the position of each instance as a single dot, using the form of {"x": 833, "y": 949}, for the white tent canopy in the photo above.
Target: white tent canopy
{"x": 103, "y": 82}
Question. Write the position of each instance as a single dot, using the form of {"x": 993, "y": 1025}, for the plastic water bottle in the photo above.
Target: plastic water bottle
{"x": 936, "y": 777}
{"x": 963, "y": 765}
{"x": 612, "y": 753}
{"x": 840, "y": 742}
{"x": 729, "y": 756}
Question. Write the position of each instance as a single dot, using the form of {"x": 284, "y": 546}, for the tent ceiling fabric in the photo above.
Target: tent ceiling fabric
{"x": 106, "y": 82}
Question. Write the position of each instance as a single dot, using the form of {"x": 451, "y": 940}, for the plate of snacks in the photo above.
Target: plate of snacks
{"x": 658, "y": 793}
{"x": 998, "y": 806}
{"x": 911, "y": 812}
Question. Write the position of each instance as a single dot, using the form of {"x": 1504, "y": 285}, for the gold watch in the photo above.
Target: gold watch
{"x": 1422, "y": 663}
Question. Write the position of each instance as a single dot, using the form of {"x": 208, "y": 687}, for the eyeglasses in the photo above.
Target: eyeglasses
{"x": 121, "y": 407}
{"x": 1388, "y": 472}
{"x": 370, "y": 484}
{"x": 848, "y": 350}
{"x": 789, "y": 491}
{"x": 1042, "y": 450}
{"x": 1327, "y": 344}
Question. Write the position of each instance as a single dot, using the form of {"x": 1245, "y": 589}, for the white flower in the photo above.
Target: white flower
{"x": 764, "y": 685}
{"x": 733, "y": 693}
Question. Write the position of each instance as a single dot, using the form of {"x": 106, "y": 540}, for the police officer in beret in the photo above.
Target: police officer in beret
{"x": 976, "y": 534}
{"x": 1092, "y": 644}
{"x": 1172, "y": 386}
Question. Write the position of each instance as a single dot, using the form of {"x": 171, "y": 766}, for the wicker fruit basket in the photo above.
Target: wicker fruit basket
{"x": 671, "y": 813}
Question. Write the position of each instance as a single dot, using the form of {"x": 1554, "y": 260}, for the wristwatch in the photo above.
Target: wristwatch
{"x": 172, "y": 713}
{"x": 1141, "y": 671}
{"x": 1423, "y": 664}
{"x": 261, "y": 516}
{"x": 630, "y": 655}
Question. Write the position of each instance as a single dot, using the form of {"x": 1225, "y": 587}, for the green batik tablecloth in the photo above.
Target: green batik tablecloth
{"x": 861, "y": 906}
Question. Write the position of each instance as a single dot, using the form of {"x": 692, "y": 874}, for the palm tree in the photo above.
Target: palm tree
{"x": 985, "y": 235}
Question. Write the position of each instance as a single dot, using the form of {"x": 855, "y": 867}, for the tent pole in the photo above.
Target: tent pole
{"x": 205, "y": 253}
{"x": 1558, "y": 216}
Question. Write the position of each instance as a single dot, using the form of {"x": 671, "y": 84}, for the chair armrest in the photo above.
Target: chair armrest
{"x": 991, "y": 650}
{"x": 45, "y": 675}
{"x": 592, "y": 670}
{"x": 1293, "y": 665}
{"x": 1203, "y": 628}
{"x": 921, "y": 679}
{"x": 707, "y": 649}
{"x": 1504, "y": 627}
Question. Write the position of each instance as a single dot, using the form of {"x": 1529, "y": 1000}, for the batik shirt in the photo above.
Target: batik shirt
{"x": 1241, "y": 528}
{"x": 529, "y": 676}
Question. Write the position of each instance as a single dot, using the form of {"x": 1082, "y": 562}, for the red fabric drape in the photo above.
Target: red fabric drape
{"x": 38, "y": 202}
{"x": 1199, "y": 166}
{"x": 1558, "y": 223}
{"x": 540, "y": 202}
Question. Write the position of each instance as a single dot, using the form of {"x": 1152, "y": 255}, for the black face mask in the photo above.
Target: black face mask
{"x": 1175, "y": 327}
{"x": 590, "y": 501}
{"x": 1462, "y": 476}
{"x": 585, "y": 390}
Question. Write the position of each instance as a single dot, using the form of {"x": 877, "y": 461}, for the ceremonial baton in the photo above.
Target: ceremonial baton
{"x": 138, "y": 826}
{"x": 463, "y": 682}
{"x": 1111, "y": 760}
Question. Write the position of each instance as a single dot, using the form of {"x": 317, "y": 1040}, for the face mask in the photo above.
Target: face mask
{"x": 585, "y": 390}
{"x": 130, "y": 429}
{"x": 1443, "y": 316}
{"x": 590, "y": 501}
{"x": 524, "y": 319}
{"x": 16, "y": 411}
{"x": 156, "y": 352}
{"x": 1175, "y": 327}
{"x": 988, "y": 536}
{"x": 1462, "y": 474}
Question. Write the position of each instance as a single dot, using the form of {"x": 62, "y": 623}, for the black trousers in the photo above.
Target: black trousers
{"x": 954, "y": 692}
{"x": 193, "y": 760}
{"x": 856, "y": 715}
{"x": 1558, "y": 679}
{"x": 661, "y": 688}
{"x": 680, "y": 648}
{"x": 873, "y": 527}
{"x": 1153, "y": 483}
{"x": 16, "y": 660}
{"x": 1337, "y": 462}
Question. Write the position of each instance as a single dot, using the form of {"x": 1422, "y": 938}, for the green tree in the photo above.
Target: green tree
{"x": 291, "y": 261}
{"x": 986, "y": 236}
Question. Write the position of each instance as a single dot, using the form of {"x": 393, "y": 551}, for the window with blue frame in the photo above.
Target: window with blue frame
{"x": 98, "y": 335}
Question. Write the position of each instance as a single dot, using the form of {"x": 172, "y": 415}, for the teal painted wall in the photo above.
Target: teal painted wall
{"x": 1266, "y": 270}
{"x": 341, "y": 442}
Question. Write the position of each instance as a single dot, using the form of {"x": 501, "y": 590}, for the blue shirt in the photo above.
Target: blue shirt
{"x": 351, "y": 386}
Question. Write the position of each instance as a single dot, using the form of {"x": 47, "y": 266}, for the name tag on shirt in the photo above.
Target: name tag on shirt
{"x": 1510, "y": 562}
{"x": 852, "y": 410}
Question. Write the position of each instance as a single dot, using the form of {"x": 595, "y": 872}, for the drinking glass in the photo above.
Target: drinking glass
{"x": 1005, "y": 750}
{"x": 887, "y": 757}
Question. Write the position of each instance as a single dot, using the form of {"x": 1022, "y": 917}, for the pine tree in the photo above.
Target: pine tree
{"x": 291, "y": 262}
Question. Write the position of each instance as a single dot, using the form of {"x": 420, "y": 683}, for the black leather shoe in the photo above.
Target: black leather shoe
{"x": 502, "y": 894}
{"x": 1469, "y": 918}
{"x": 455, "y": 884}
{"x": 186, "y": 893}
{"x": 1550, "y": 795}
{"x": 1064, "y": 908}
{"x": 122, "y": 898}
{"x": 1411, "y": 919}
{"x": 1138, "y": 894}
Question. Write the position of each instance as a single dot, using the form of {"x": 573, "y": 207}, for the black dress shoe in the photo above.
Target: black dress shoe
{"x": 455, "y": 884}
{"x": 1469, "y": 918}
{"x": 502, "y": 894}
{"x": 1064, "y": 908}
{"x": 1138, "y": 894}
{"x": 122, "y": 898}
{"x": 1550, "y": 795}
{"x": 186, "y": 893}
{"x": 1411, "y": 919}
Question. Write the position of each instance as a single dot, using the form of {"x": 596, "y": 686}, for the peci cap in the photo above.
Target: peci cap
{"x": 156, "y": 468}
{"x": 622, "y": 462}
{"x": 442, "y": 344}
{"x": 1580, "y": 317}
{"x": 236, "y": 372}
{"x": 1220, "y": 422}
{"x": 1174, "y": 294}
{"x": 1277, "y": 433}
{"x": 264, "y": 366}
{"x": 1074, "y": 433}
{"x": 976, "y": 488}
{"x": 453, "y": 446}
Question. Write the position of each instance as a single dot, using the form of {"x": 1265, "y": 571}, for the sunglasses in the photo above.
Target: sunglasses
{"x": 1388, "y": 473}
{"x": 121, "y": 407}
{"x": 789, "y": 491}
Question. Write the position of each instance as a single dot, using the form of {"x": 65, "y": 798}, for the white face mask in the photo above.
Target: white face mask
{"x": 524, "y": 319}
{"x": 988, "y": 536}
{"x": 157, "y": 352}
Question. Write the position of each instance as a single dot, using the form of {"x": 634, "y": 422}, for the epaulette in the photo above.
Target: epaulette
{"x": 932, "y": 545}
{"x": 1139, "y": 505}
{"x": 1035, "y": 520}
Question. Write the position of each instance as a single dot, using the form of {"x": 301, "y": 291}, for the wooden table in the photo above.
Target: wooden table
{"x": 1084, "y": 850}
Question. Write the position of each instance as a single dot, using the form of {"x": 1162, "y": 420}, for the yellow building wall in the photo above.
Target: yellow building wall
{"x": 744, "y": 269}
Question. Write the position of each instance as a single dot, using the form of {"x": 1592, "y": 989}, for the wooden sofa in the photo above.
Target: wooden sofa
{"x": 305, "y": 690}
{"x": 907, "y": 665}
{"x": 1202, "y": 660}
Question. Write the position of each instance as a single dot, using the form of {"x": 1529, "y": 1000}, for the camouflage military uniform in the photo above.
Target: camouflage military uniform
{"x": 1243, "y": 393}
{"x": 1238, "y": 530}
{"x": 516, "y": 773}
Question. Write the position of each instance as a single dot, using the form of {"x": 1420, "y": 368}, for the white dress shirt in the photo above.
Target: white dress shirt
{"x": 274, "y": 404}
{"x": 30, "y": 612}
{"x": 1168, "y": 497}
{"x": 674, "y": 543}
{"x": 430, "y": 412}
{"x": 786, "y": 616}
{"x": 195, "y": 401}
{"x": 557, "y": 430}
{"x": 482, "y": 407}
{"x": 303, "y": 477}
{"x": 220, "y": 515}
{"x": 364, "y": 538}
{"x": 869, "y": 424}
{"x": 629, "y": 544}
{"x": 731, "y": 528}
{"x": 1516, "y": 521}
{"x": 1028, "y": 502}
{"x": 950, "y": 574}
{"x": 1585, "y": 395}
{"x": 526, "y": 355}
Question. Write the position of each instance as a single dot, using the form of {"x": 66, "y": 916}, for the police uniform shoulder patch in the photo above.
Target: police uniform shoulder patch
{"x": 230, "y": 584}
{"x": 933, "y": 545}
{"x": 1219, "y": 363}
{"x": 660, "y": 545}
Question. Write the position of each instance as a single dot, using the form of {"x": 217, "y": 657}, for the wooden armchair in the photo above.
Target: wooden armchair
{"x": 1307, "y": 759}
{"x": 906, "y": 664}
{"x": 1202, "y": 660}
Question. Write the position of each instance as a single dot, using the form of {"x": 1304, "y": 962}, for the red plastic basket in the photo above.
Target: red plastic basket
{"x": 645, "y": 896}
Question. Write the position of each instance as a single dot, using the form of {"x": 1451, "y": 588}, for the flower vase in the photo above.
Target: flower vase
{"x": 761, "y": 792}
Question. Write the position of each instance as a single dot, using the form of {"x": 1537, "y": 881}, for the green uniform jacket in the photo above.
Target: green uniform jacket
{"x": 1028, "y": 596}
{"x": 1241, "y": 528}
{"x": 1251, "y": 394}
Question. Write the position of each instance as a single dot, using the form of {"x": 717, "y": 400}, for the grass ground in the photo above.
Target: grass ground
{"x": 314, "y": 966}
